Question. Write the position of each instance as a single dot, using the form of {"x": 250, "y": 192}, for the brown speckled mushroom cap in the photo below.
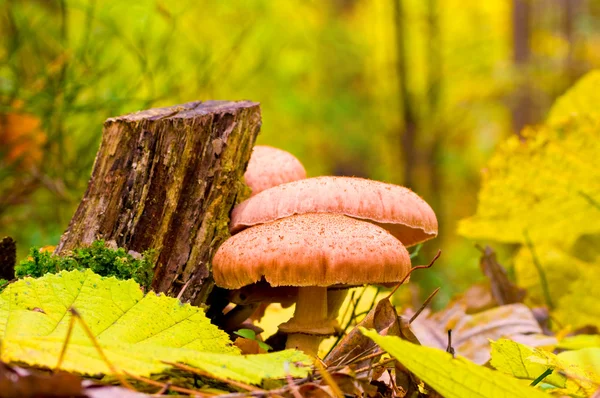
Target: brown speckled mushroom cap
{"x": 395, "y": 208}
{"x": 270, "y": 166}
{"x": 311, "y": 250}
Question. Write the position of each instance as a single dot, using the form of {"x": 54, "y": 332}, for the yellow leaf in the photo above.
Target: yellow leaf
{"x": 137, "y": 332}
{"x": 569, "y": 282}
{"x": 580, "y": 341}
{"x": 546, "y": 188}
{"x": 471, "y": 333}
{"x": 529, "y": 363}
{"x": 587, "y": 359}
{"x": 581, "y": 101}
{"x": 452, "y": 377}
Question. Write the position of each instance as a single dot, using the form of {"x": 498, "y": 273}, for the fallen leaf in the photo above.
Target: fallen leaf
{"x": 18, "y": 382}
{"x": 248, "y": 346}
{"x": 383, "y": 318}
{"x": 137, "y": 332}
{"x": 471, "y": 333}
{"x": 529, "y": 363}
{"x": 579, "y": 341}
{"x": 449, "y": 376}
{"x": 588, "y": 359}
{"x": 568, "y": 280}
{"x": 503, "y": 289}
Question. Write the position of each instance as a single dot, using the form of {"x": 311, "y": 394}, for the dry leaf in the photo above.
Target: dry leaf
{"x": 384, "y": 319}
{"x": 471, "y": 333}
{"x": 18, "y": 382}
{"x": 503, "y": 290}
{"x": 248, "y": 346}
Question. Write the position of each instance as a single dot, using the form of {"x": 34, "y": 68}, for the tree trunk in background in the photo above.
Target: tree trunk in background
{"x": 434, "y": 84}
{"x": 166, "y": 179}
{"x": 569, "y": 12}
{"x": 521, "y": 109}
{"x": 408, "y": 134}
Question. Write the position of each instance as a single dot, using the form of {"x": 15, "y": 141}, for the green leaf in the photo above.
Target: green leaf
{"x": 251, "y": 335}
{"x": 525, "y": 362}
{"x": 452, "y": 377}
{"x": 246, "y": 333}
{"x": 137, "y": 332}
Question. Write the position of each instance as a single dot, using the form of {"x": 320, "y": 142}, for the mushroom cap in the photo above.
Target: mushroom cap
{"x": 311, "y": 250}
{"x": 398, "y": 209}
{"x": 270, "y": 166}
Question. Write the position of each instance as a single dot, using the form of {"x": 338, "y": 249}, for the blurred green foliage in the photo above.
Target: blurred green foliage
{"x": 325, "y": 73}
{"x": 98, "y": 257}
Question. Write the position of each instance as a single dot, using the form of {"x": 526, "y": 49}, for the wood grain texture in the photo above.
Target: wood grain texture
{"x": 166, "y": 179}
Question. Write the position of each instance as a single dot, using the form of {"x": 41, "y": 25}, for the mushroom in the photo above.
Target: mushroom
{"x": 397, "y": 209}
{"x": 270, "y": 166}
{"x": 267, "y": 167}
{"x": 313, "y": 252}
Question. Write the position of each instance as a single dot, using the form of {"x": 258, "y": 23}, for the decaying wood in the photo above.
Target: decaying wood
{"x": 166, "y": 179}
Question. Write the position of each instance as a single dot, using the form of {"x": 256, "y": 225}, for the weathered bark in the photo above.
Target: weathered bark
{"x": 166, "y": 179}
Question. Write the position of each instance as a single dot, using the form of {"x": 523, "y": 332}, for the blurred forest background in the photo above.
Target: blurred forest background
{"x": 411, "y": 92}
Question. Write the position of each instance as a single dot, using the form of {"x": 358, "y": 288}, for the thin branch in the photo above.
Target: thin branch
{"x": 170, "y": 387}
{"x": 90, "y": 334}
{"x": 425, "y": 304}
{"x": 200, "y": 372}
{"x": 411, "y": 271}
{"x": 540, "y": 270}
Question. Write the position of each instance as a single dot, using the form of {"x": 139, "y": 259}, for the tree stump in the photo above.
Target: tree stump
{"x": 166, "y": 179}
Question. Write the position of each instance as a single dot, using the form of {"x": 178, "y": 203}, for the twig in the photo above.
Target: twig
{"x": 373, "y": 355}
{"x": 200, "y": 372}
{"x": 90, "y": 334}
{"x": 164, "y": 389}
{"x": 360, "y": 357}
{"x": 352, "y": 316}
{"x": 63, "y": 351}
{"x": 290, "y": 382}
{"x": 541, "y": 273}
{"x": 274, "y": 392}
{"x": 386, "y": 361}
{"x": 425, "y": 304}
{"x": 337, "y": 392}
{"x": 170, "y": 387}
{"x": 411, "y": 271}
{"x": 183, "y": 289}
{"x": 415, "y": 253}
{"x": 590, "y": 200}
{"x": 449, "y": 348}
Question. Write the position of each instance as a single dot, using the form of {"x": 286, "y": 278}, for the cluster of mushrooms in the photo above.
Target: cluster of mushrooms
{"x": 311, "y": 239}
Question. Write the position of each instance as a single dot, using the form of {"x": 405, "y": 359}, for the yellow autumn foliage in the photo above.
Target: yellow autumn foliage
{"x": 544, "y": 192}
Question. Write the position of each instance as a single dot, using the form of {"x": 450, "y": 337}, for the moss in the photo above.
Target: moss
{"x": 98, "y": 257}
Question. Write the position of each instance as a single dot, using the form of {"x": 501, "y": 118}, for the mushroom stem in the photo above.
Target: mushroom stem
{"x": 310, "y": 323}
{"x": 335, "y": 299}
